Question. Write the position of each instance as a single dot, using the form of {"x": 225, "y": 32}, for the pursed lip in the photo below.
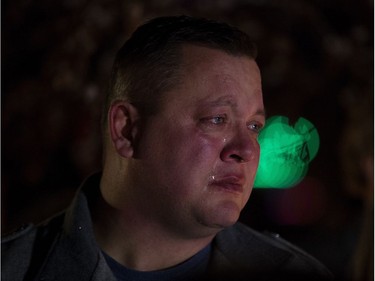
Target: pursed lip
{"x": 230, "y": 183}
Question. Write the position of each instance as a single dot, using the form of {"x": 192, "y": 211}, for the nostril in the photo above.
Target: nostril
{"x": 236, "y": 157}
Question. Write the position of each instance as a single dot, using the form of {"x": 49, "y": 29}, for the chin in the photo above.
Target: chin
{"x": 225, "y": 215}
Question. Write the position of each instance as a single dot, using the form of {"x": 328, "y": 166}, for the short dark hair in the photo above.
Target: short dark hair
{"x": 148, "y": 63}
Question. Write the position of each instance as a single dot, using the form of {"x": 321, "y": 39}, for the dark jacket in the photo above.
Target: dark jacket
{"x": 64, "y": 248}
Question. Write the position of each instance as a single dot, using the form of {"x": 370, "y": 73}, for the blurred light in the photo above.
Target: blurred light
{"x": 286, "y": 152}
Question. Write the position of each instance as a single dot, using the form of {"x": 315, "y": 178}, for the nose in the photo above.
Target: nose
{"x": 243, "y": 146}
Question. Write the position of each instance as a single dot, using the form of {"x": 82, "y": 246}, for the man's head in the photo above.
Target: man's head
{"x": 149, "y": 63}
{"x": 183, "y": 122}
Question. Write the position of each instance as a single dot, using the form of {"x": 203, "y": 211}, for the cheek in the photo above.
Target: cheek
{"x": 194, "y": 146}
{"x": 205, "y": 149}
{"x": 194, "y": 156}
{"x": 182, "y": 156}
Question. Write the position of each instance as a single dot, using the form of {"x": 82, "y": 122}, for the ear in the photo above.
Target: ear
{"x": 122, "y": 120}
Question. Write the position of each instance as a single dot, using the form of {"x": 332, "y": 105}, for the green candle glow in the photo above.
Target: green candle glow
{"x": 286, "y": 152}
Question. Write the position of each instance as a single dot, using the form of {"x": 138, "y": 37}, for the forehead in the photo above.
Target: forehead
{"x": 208, "y": 73}
{"x": 204, "y": 58}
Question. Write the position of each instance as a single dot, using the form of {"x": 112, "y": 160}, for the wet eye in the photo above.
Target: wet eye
{"x": 218, "y": 120}
{"x": 256, "y": 127}
{"x": 214, "y": 121}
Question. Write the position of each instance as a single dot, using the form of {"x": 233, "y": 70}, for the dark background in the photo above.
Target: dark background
{"x": 316, "y": 59}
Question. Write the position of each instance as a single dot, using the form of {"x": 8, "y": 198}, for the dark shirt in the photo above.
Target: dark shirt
{"x": 192, "y": 269}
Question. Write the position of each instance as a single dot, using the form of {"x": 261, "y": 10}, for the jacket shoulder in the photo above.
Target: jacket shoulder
{"x": 22, "y": 251}
{"x": 16, "y": 252}
{"x": 267, "y": 253}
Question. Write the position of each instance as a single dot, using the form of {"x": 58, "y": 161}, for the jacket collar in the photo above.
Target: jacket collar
{"x": 75, "y": 248}
{"x": 242, "y": 252}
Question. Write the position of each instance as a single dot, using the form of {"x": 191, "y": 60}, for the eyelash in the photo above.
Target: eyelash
{"x": 222, "y": 119}
{"x": 213, "y": 121}
{"x": 218, "y": 120}
{"x": 258, "y": 128}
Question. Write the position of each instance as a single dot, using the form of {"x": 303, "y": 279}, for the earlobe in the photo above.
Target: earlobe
{"x": 122, "y": 118}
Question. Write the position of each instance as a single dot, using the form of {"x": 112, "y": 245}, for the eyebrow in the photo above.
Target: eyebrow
{"x": 221, "y": 101}
{"x": 228, "y": 101}
{"x": 261, "y": 112}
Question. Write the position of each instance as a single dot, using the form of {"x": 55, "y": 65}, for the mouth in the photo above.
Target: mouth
{"x": 232, "y": 184}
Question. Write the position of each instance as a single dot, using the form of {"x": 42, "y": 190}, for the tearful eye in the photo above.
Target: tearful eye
{"x": 255, "y": 127}
{"x": 215, "y": 120}
{"x": 218, "y": 120}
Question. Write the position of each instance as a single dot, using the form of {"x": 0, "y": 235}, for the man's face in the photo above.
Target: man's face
{"x": 197, "y": 158}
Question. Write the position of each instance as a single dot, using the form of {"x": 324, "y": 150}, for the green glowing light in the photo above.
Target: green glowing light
{"x": 286, "y": 152}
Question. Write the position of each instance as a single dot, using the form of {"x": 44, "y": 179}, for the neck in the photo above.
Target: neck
{"x": 139, "y": 243}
